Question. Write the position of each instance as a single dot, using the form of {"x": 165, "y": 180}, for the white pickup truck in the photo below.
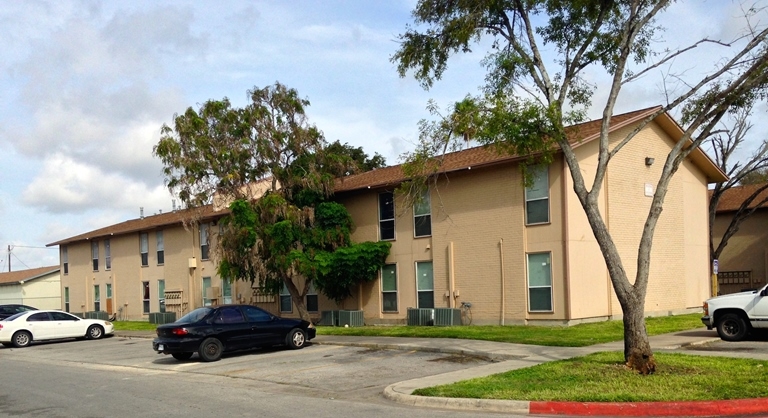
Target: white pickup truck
{"x": 735, "y": 315}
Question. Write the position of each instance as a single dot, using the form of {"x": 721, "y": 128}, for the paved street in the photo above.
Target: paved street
{"x": 123, "y": 377}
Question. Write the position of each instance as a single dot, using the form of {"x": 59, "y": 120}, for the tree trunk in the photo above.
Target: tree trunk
{"x": 637, "y": 350}
{"x": 297, "y": 297}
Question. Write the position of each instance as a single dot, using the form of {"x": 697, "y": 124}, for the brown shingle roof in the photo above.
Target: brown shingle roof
{"x": 146, "y": 223}
{"x": 732, "y": 198}
{"x": 483, "y": 155}
{"x": 14, "y": 277}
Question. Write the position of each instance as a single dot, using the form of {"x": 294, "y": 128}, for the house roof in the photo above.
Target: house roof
{"x": 146, "y": 223}
{"x": 16, "y": 277}
{"x": 485, "y": 156}
{"x": 732, "y": 198}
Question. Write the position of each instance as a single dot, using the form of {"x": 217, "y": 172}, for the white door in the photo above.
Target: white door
{"x": 67, "y": 325}
{"x": 41, "y": 326}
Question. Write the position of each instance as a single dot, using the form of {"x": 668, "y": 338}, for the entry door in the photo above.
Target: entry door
{"x": 109, "y": 299}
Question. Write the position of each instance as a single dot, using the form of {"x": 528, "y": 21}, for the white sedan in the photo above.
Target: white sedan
{"x": 21, "y": 329}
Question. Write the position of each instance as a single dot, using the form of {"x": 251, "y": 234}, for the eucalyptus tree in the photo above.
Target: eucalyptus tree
{"x": 528, "y": 99}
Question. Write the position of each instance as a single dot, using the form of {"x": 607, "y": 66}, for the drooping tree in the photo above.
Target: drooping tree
{"x": 529, "y": 99}
{"x": 275, "y": 173}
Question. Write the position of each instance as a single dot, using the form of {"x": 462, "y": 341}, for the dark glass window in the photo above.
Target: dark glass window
{"x": 229, "y": 315}
{"x": 386, "y": 216}
{"x": 255, "y": 314}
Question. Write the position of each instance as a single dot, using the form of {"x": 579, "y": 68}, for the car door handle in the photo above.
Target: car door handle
{"x": 219, "y": 329}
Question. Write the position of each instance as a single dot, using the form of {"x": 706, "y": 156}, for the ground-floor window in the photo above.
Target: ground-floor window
{"x": 66, "y": 299}
{"x": 389, "y": 288}
{"x": 226, "y": 290}
{"x": 161, "y": 294}
{"x": 145, "y": 296}
{"x": 206, "y": 285}
{"x": 285, "y": 299}
{"x": 96, "y": 298}
{"x": 312, "y": 301}
{"x": 425, "y": 284}
{"x": 540, "y": 282}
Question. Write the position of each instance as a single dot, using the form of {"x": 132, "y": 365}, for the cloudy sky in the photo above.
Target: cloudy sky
{"x": 86, "y": 85}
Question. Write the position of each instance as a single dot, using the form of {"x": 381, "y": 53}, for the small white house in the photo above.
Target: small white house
{"x": 38, "y": 287}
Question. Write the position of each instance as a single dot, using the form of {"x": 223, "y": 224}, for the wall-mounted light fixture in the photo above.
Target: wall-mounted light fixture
{"x": 649, "y": 161}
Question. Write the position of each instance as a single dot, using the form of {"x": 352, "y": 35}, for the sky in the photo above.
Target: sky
{"x": 85, "y": 87}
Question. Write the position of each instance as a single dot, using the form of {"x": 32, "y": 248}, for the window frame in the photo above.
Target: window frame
{"x": 161, "y": 295}
{"x": 97, "y": 298}
{"x": 160, "y": 239}
{"x": 65, "y": 259}
{"x": 204, "y": 245}
{"x": 312, "y": 296}
{"x": 284, "y": 293}
{"x": 95, "y": 254}
{"x": 206, "y": 284}
{"x": 419, "y": 290}
{"x": 385, "y": 292}
{"x": 424, "y": 202}
{"x": 536, "y": 172}
{"x": 107, "y": 255}
{"x": 383, "y": 220}
{"x": 145, "y": 300}
{"x": 144, "y": 248}
{"x": 528, "y": 282}
{"x": 66, "y": 298}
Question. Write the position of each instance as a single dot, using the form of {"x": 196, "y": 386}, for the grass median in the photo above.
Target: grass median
{"x": 562, "y": 336}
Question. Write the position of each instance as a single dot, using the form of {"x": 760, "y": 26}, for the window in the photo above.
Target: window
{"x": 226, "y": 291}
{"x": 61, "y": 316}
{"x": 66, "y": 299}
{"x": 537, "y": 196}
{"x": 161, "y": 294}
{"x": 386, "y": 216}
{"x": 425, "y": 285}
{"x": 204, "y": 241}
{"x": 389, "y": 288}
{"x": 422, "y": 216}
{"x": 540, "y": 282}
{"x": 285, "y": 299}
{"x": 160, "y": 248}
{"x": 109, "y": 297}
{"x": 38, "y": 317}
{"x": 206, "y": 286}
{"x": 107, "y": 255}
{"x": 255, "y": 314}
{"x": 95, "y": 255}
{"x": 96, "y": 298}
{"x": 312, "y": 302}
{"x": 145, "y": 296}
{"x": 65, "y": 259}
{"x": 144, "y": 248}
{"x": 229, "y": 315}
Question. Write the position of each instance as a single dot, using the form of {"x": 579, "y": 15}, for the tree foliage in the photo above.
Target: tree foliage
{"x": 275, "y": 171}
{"x": 528, "y": 99}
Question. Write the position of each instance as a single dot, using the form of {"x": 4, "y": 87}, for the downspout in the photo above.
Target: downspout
{"x": 503, "y": 280}
{"x": 451, "y": 278}
{"x": 566, "y": 245}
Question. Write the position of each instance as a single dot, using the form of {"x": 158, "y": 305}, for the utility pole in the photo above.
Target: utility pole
{"x": 9, "y": 258}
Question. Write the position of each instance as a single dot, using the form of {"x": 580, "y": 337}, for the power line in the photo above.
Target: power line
{"x": 17, "y": 258}
{"x": 27, "y": 246}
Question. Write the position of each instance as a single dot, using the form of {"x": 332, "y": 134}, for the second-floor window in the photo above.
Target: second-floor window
{"x": 144, "y": 248}
{"x": 537, "y": 196}
{"x": 386, "y": 216}
{"x": 95, "y": 255}
{"x": 203, "y": 241}
{"x": 107, "y": 255}
{"x": 160, "y": 248}
{"x": 65, "y": 260}
{"x": 422, "y": 216}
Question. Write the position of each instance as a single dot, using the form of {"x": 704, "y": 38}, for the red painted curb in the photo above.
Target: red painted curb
{"x": 652, "y": 409}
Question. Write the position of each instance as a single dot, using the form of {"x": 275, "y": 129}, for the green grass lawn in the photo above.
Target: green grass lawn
{"x": 133, "y": 326}
{"x": 602, "y": 377}
{"x": 563, "y": 336}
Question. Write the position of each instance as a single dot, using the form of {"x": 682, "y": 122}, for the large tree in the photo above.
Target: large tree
{"x": 726, "y": 145}
{"x": 528, "y": 99}
{"x": 276, "y": 173}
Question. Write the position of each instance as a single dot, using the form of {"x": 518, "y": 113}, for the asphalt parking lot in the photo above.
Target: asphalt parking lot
{"x": 321, "y": 370}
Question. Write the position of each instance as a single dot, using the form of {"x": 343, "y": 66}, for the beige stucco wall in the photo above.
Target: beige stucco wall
{"x": 679, "y": 261}
{"x": 41, "y": 293}
{"x": 747, "y": 250}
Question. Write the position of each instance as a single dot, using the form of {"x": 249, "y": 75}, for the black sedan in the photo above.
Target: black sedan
{"x": 13, "y": 309}
{"x": 210, "y": 331}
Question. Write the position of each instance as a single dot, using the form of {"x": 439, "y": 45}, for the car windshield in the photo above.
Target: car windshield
{"x": 14, "y": 316}
{"x": 195, "y": 315}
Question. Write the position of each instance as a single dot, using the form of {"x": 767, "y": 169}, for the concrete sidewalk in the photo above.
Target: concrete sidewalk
{"x": 508, "y": 356}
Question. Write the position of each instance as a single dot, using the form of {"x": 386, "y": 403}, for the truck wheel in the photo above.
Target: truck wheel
{"x": 732, "y": 327}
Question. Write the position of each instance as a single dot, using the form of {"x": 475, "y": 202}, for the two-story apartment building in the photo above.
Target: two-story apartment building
{"x": 518, "y": 254}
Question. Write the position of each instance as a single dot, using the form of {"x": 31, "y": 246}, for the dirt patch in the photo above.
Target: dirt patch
{"x": 461, "y": 359}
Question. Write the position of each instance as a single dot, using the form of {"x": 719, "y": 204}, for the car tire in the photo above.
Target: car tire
{"x": 182, "y": 356}
{"x": 21, "y": 339}
{"x": 94, "y": 332}
{"x": 211, "y": 349}
{"x": 732, "y": 327}
{"x": 296, "y": 339}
